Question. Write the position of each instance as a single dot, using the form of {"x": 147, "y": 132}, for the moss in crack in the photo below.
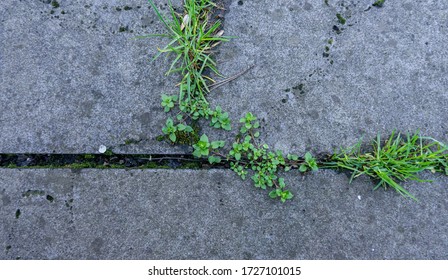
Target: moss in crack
{"x": 190, "y": 165}
{"x": 341, "y": 19}
{"x": 379, "y": 3}
{"x": 188, "y": 138}
{"x": 55, "y": 4}
{"x": 123, "y": 29}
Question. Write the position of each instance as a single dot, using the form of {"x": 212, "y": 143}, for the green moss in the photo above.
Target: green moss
{"x": 80, "y": 165}
{"x": 150, "y": 165}
{"x": 55, "y": 4}
{"x": 341, "y": 19}
{"x": 379, "y": 3}
{"x": 183, "y": 137}
{"x": 131, "y": 141}
{"x": 191, "y": 165}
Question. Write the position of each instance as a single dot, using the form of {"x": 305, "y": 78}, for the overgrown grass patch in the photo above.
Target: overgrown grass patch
{"x": 394, "y": 160}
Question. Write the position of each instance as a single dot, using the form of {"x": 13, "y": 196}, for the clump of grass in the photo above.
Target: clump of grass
{"x": 192, "y": 37}
{"x": 397, "y": 159}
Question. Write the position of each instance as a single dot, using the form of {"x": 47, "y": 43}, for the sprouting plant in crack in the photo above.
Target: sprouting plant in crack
{"x": 248, "y": 155}
{"x": 396, "y": 159}
{"x": 192, "y": 36}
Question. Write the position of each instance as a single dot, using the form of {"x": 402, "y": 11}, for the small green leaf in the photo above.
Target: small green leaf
{"x": 205, "y": 152}
{"x": 173, "y": 137}
{"x": 181, "y": 127}
{"x": 273, "y": 194}
{"x": 302, "y": 168}
{"x": 237, "y": 156}
{"x": 217, "y": 144}
{"x": 213, "y": 159}
{"x": 281, "y": 182}
{"x": 226, "y": 126}
{"x": 197, "y": 153}
{"x": 308, "y": 156}
{"x": 287, "y": 168}
{"x": 204, "y": 138}
{"x": 257, "y": 134}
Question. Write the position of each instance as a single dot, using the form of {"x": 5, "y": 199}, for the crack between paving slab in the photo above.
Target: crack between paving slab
{"x": 115, "y": 161}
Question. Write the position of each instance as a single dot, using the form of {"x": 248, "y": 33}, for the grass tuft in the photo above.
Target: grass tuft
{"x": 192, "y": 37}
{"x": 394, "y": 160}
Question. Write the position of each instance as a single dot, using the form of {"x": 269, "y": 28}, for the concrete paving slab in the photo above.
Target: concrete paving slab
{"x": 211, "y": 214}
{"x": 318, "y": 84}
{"x": 72, "y": 78}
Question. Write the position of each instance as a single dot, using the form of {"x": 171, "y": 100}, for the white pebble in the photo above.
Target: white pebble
{"x": 102, "y": 149}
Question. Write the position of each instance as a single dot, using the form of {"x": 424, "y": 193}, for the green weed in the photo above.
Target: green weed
{"x": 394, "y": 160}
{"x": 192, "y": 37}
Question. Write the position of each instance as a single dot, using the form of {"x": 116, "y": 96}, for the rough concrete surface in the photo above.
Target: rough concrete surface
{"x": 73, "y": 78}
{"x": 387, "y": 69}
{"x": 210, "y": 214}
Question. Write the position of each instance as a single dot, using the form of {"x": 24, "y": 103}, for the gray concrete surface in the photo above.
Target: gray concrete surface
{"x": 388, "y": 71}
{"x": 210, "y": 214}
{"x": 71, "y": 81}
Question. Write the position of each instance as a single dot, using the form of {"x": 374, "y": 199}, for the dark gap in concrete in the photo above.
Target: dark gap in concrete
{"x": 103, "y": 161}
{"x": 120, "y": 161}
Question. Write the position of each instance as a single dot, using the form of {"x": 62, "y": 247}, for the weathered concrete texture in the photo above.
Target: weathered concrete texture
{"x": 210, "y": 214}
{"x": 73, "y": 78}
{"x": 385, "y": 70}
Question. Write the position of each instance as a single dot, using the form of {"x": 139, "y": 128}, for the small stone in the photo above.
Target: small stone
{"x": 102, "y": 149}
